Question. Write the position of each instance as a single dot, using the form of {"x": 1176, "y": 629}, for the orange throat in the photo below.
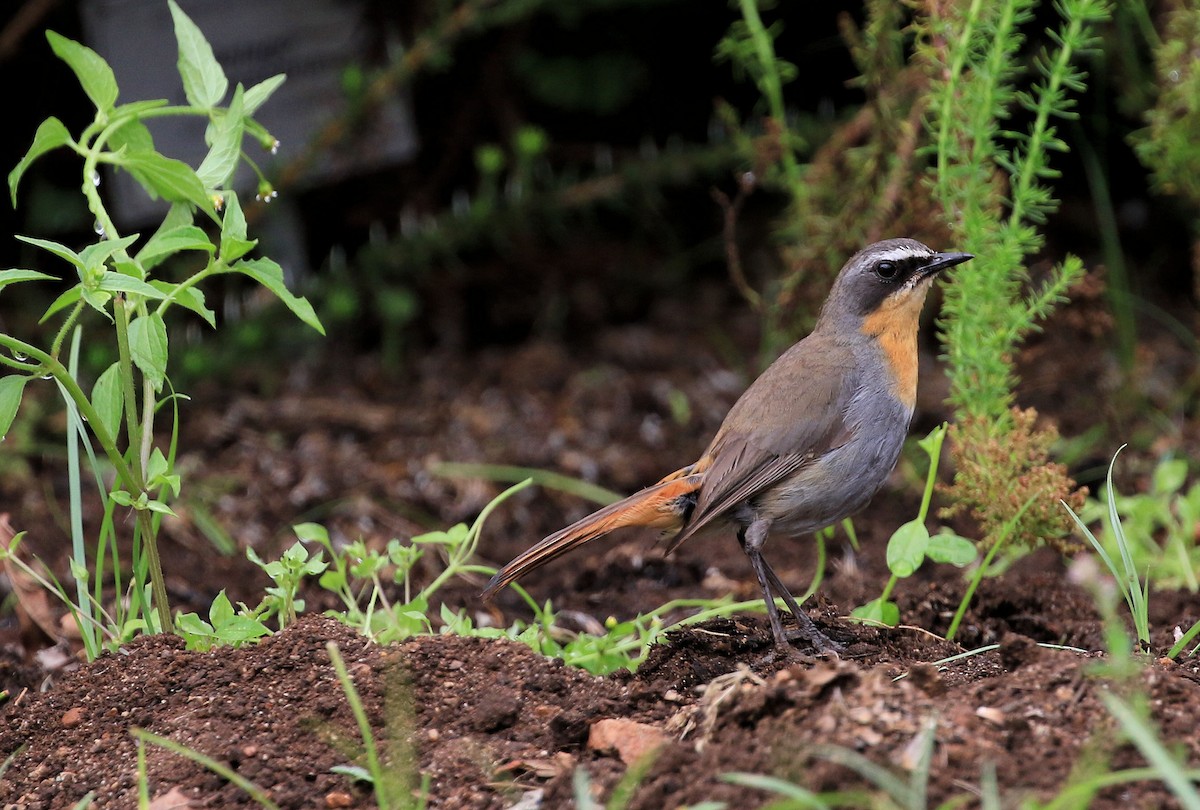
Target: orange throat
{"x": 894, "y": 326}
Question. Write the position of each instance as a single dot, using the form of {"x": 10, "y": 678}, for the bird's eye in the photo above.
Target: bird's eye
{"x": 887, "y": 270}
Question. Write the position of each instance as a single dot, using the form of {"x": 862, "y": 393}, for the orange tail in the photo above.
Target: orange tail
{"x": 663, "y": 506}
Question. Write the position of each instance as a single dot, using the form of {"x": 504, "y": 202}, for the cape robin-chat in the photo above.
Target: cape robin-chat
{"x": 809, "y": 442}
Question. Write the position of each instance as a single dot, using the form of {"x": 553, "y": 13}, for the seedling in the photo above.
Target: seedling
{"x": 912, "y": 543}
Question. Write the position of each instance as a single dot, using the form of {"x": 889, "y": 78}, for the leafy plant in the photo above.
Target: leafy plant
{"x": 225, "y": 626}
{"x": 119, "y": 278}
{"x": 993, "y": 184}
{"x": 1126, "y": 572}
{"x": 912, "y": 543}
{"x": 1158, "y": 527}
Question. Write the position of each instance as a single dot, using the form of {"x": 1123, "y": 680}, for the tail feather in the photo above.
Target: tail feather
{"x": 665, "y": 505}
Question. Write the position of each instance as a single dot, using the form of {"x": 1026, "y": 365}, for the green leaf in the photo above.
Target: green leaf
{"x": 947, "y": 547}
{"x": 312, "y": 533}
{"x": 17, "y": 275}
{"x": 50, "y": 134}
{"x": 226, "y": 130}
{"x": 269, "y": 274}
{"x": 1169, "y": 476}
{"x": 118, "y": 282}
{"x": 107, "y": 400}
{"x": 95, "y": 255}
{"x": 165, "y": 177}
{"x": 156, "y": 466}
{"x": 65, "y": 300}
{"x": 160, "y": 507}
{"x": 257, "y": 95}
{"x": 166, "y": 243}
{"x": 877, "y": 610}
{"x": 96, "y": 299}
{"x": 906, "y": 549}
{"x": 234, "y": 244}
{"x": 94, "y": 74}
{"x": 121, "y": 497}
{"x": 204, "y": 81}
{"x": 62, "y": 251}
{"x": 11, "y": 388}
{"x": 188, "y": 298}
{"x": 131, "y": 137}
{"x": 148, "y": 345}
{"x": 221, "y": 610}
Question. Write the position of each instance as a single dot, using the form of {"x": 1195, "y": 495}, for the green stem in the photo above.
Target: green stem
{"x": 189, "y": 282}
{"x": 977, "y": 576}
{"x": 158, "y": 584}
{"x": 771, "y": 85}
{"x": 887, "y": 589}
{"x": 52, "y": 366}
{"x": 949, "y": 96}
{"x": 126, "y": 364}
{"x": 56, "y": 346}
{"x": 137, "y": 467}
{"x": 1027, "y": 174}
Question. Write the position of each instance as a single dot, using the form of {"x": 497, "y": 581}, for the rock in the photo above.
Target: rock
{"x": 629, "y": 739}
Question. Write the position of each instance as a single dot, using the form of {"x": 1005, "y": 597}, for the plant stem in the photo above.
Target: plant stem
{"x": 53, "y": 367}
{"x": 137, "y": 465}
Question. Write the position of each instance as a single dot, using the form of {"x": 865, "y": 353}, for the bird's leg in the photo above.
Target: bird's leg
{"x": 752, "y": 539}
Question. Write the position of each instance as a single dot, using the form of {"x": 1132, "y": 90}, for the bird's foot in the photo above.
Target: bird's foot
{"x": 820, "y": 642}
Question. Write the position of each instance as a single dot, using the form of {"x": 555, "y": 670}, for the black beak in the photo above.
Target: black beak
{"x": 941, "y": 261}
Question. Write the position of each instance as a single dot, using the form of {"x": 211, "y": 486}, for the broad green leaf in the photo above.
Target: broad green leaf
{"x": 157, "y": 465}
{"x": 94, "y": 74}
{"x": 107, "y": 400}
{"x": 50, "y": 134}
{"x": 906, "y": 548}
{"x": 128, "y": 266}
{"x": 1169, "y": 476}
{"x": 160, "y": 507}
{"x": 188, "y": 298}
{"x": 221, "y": 610}
{"x": 165, "y": 177}
{"x": 65, "y": 300}
{"x": 947, "y": 547}
{"x": 11, "y": 388}
{"x": 178, "y": 215}
{"x": 132, "y": 137}
{"x": 96, "y": 299}
{"x": 204, "y": 81}
{"x": 312, "y": 533}
{"x": 166, "y": 243}
{"x": 121, "y": 497}
{"x": 269, "y": 274}
{"x": 217, "y": 167}
{"x": 62, "y": 251}
{"x": 17, "y": 275}
{"x": 148, "y": 346}
{"x": 95, "y": 255}
{"x": 877, "y": 610}
{"x": 118, "y": 282}
{"x": 234, "y": 244}
{"x": 257, "y": 95}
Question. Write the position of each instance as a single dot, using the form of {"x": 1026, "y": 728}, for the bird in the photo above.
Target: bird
{"x": 808, "y": 444}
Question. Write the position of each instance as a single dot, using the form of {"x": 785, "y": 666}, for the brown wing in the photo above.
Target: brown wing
{"x": 792, "y": 414}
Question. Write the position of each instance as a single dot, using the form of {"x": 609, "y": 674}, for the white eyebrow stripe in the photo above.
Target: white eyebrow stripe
{"x": 899, "y": 254}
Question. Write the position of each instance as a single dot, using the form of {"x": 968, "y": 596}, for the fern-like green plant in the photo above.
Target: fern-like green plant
{"x": 995, "y": 187}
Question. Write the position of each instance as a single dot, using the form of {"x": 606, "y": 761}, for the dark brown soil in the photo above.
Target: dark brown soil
{"x": 492, "y": 724}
